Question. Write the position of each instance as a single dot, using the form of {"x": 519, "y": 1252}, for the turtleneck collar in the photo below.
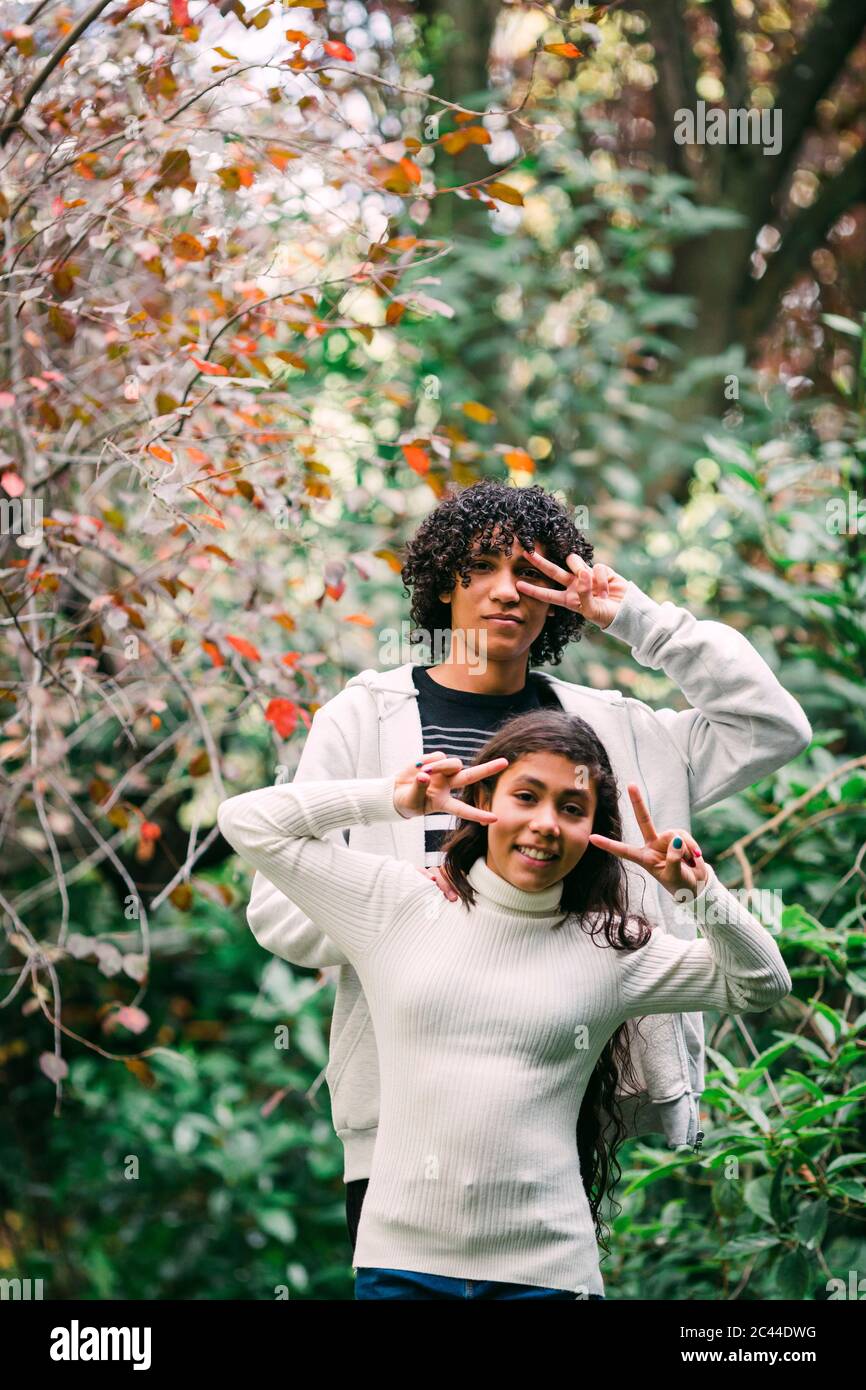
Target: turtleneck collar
{"x": 536, "y": 906}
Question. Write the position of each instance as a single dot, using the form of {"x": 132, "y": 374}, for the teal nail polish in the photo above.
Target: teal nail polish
{"x": 677, "y": 842}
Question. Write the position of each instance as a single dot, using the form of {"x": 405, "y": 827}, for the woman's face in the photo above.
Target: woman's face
{"x": 545, "y": 808}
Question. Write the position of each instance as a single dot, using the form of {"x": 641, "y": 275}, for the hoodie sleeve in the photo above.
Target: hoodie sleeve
{"x": 351, "y": 895}
{"x": 742, "y": 725}
{"x": 277, "y": 923}
{"x": 734, "y": 967}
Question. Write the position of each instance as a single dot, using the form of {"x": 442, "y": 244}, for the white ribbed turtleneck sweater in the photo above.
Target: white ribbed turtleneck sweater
{"x": 488, "y": 1022}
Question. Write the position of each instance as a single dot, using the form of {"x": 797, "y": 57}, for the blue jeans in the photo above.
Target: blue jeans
{"x": 408, "y": 1283}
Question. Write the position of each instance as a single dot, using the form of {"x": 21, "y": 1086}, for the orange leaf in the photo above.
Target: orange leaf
{"x": 416, "y": 458}
{"x": 476, "y": 411}
{"x": 411, "y": 170}
{"x": 456, "y": 140}
{"x": 160, "y": 453}
{"x": 563, "y": 50}
{"x": 285, "y": 620}
{"x": 393, "y": 561}
{"x": 519, "y": 460}
{"x": 214, "y": 653}
{"x": 362, "y": 619}
{"x": 209, "y": 368}
{"x": 245, "y": 648}
{"x": 179, "y": 13}
{"x": 187, "y": 247}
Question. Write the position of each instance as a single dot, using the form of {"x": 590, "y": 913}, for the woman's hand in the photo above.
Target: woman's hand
{"x": 596, "y": 593}
{"x": 674, "y": 867}
{"x": 430, "y": 785}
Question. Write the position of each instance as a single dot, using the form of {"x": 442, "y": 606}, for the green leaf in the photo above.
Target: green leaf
{"x": 842, "y": 325}
{"x": 811, "y": 1223}
{"x": 278, "y": 1223}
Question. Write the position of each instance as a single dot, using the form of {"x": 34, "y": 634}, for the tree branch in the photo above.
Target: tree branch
{"x": 804, "y": 233}
{"x": 42, "y": 76}
{"x": 804, "y": 80}
{"x": 731, "y": 49}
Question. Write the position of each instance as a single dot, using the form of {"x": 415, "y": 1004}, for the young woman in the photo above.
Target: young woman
{"x": 491, "y": 1012}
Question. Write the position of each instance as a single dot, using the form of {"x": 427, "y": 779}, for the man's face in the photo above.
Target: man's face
{"x": 506, "y": 620}
{"x": 545, "y": 812}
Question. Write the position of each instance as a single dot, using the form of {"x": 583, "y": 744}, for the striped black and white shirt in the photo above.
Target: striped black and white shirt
{"x": 459, "y": 723}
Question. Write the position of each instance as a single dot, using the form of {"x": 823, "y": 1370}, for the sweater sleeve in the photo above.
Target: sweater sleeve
{"x": 351, "y": 895}
{"x": 734, "y": 967}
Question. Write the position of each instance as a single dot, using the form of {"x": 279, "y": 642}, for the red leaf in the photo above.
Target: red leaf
{"x": 283, "y": 714}
{"x": 179, "y": 14}
{"x": 338, "y": 50}
{"x": 245, "y": 648}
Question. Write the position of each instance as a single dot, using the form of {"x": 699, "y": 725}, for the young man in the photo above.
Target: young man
{"x": 508, "y": 574}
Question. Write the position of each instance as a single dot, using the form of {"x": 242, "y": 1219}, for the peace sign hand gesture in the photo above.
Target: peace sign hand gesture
{"x": 675, "y": 868}
{"x": 595, "y": 592}
{"x": 429, "y": 786}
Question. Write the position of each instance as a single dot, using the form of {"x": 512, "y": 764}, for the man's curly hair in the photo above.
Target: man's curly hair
{"x": 488, "y": 516}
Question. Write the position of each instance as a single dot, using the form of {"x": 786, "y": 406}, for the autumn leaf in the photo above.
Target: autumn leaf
{"x": 285, "y": 620}
{"x": 209, "y": 368}
{"x": 411, "y": 170}
{"x": 482, "y": 413}
{"x": 563, "y": 50}
{"x": 362, "y": 619}
{"x": 456, "y": 140}
{"x": 182, "y": 897}
{"x": 179, "y": 13}
{"x": 335, "y": 49}
{"x": 416, "y": 457}
{"x": 283, "y": 714}
{"x": 149, "y": 830}
{"x": 161, "y": 453}
{"x": 520, "y": 461}
{"x": 214, "y": 653}
{"x": 244, "y": 648}
{"x": 141, "y": 1070}
{"x": 392, "y": 561}
{"x": 505, "y": 193}
{"x": 187, "y": 247}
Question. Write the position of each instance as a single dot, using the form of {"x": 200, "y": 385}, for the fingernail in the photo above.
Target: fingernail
{"x": 677, "y": 842}
{"x": 419, "y": 762}
{"x": 697, "y": 854}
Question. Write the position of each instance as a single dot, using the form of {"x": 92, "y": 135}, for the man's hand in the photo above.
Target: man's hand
{"x": 595, "y": 592}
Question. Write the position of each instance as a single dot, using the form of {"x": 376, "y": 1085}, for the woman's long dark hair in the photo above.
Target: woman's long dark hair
{"x": 594, "y": 890}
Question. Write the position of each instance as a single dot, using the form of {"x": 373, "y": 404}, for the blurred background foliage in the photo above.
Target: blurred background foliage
{"x": 673, "y": 338}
